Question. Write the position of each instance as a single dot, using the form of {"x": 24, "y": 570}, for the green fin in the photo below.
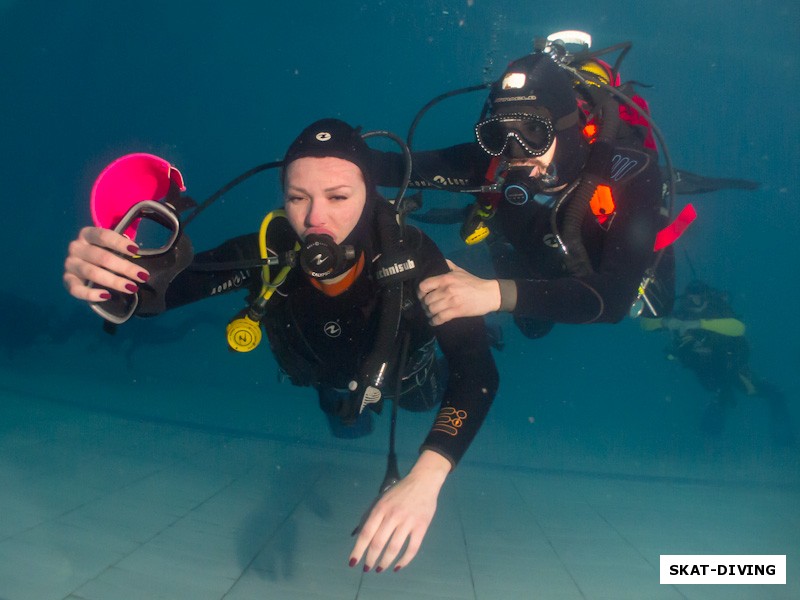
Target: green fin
{"x": 730, "y": 327}
{"x": 649, "y": 324}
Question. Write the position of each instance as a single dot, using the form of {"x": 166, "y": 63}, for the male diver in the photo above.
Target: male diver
{"x": 564, "y": 167}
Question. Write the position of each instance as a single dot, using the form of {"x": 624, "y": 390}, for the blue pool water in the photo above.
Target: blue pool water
{"x": 587, "y": 417}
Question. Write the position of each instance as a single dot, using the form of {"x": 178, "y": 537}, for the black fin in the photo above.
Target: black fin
{"x": 692, "y": 183}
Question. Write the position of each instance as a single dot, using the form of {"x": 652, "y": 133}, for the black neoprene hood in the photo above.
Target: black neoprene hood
{"x": 534, "y": 84}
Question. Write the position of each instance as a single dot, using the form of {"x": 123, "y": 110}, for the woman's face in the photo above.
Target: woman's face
{"x": 324, "y": 196}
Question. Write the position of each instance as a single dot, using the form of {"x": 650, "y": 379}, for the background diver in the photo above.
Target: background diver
{"x": 327, "y": 322}
{"x": 708, "y": 338}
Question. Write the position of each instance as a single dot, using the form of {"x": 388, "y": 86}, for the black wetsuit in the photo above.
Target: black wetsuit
{"x": 719, "y": 361}
{"x": 321, "y": 341}
{"x": 620, "y": 250}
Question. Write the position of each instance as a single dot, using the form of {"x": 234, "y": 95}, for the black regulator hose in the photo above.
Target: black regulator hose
{"x": 404, "y": 147}
{"x": 576, "y": 258}
{"x": 228, "y": 187}
{"x": 576, "y": 205}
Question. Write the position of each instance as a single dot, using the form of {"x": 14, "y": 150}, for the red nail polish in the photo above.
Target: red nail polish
{"x": 353, "y": 562}
{"x": 367, "y": 568}
{"x": 132, "y": 287}
{"x": 378, "y": 569}
{"x": 397, "y": 568}
{"x": 133, "y": 249}
{"x": 105, "y": 296}
{"x": 143, "y": 276}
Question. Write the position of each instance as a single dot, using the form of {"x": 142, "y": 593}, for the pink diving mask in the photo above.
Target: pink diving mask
{"x": 127, "y": 181}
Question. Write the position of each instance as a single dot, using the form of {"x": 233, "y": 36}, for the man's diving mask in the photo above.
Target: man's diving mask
{"x": 533, "y": 133}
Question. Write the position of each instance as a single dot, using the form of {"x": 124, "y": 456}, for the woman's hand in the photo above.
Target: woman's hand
{"x": 402, "y": 513}
{"x": 99, "y": 256}
{"x": 458, "y": 294}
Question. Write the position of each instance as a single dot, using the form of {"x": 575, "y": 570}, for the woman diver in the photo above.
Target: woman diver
{"x": 344, "y": 318}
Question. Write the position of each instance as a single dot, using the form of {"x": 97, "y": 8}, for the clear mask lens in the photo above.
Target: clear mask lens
{"x": 533, "y": 133}
{"x": 158, "y": 230}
